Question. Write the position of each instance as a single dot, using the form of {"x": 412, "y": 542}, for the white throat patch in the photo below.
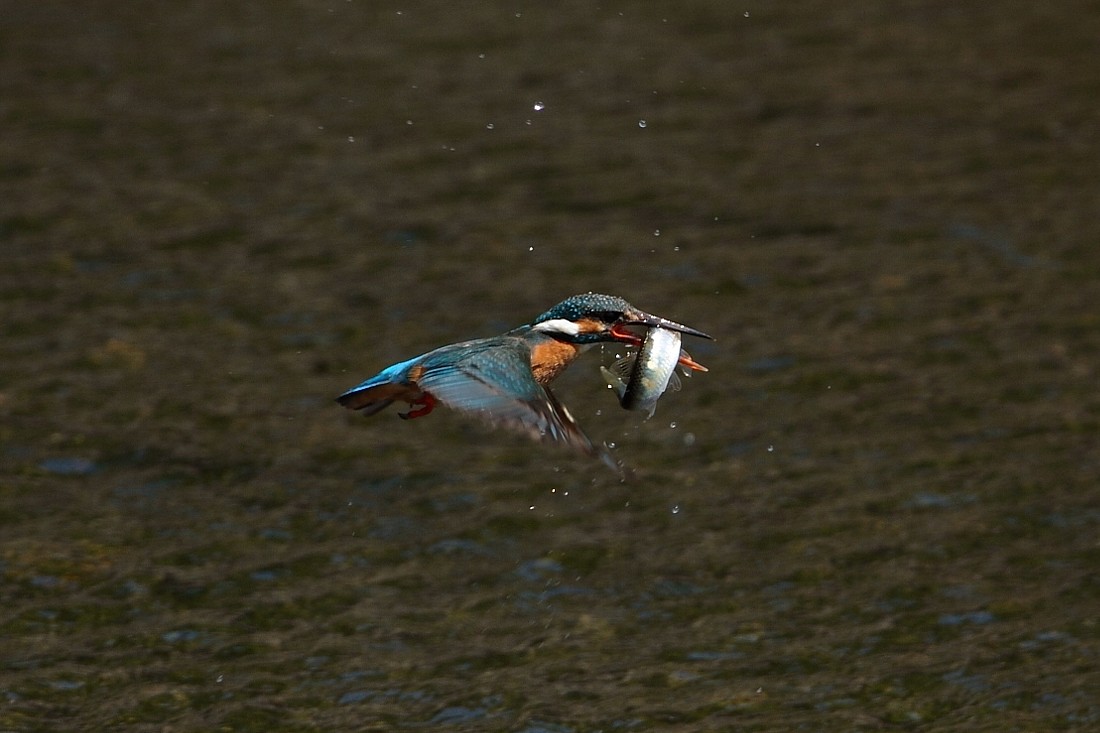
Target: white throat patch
{"x": 558, "y": 325}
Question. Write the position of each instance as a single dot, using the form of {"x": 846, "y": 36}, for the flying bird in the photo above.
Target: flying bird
{"x": 503, "y": 379}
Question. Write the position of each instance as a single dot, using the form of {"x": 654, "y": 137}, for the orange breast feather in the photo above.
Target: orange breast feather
{"x": 550, "y": 359}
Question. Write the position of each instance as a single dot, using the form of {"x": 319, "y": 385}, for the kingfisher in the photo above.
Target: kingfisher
{"x": 503, "y": 379}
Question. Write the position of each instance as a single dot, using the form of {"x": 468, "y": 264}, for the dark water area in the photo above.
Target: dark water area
{"x": 879, "y": 510}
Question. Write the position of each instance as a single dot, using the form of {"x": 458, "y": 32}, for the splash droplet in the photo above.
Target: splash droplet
{"x": 539, "y": 106}
{"x": 675, "y": 508}
{"x": 641, "y": 123}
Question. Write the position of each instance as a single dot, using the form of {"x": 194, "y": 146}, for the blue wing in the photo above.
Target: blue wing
{"x": 496, "y": 384}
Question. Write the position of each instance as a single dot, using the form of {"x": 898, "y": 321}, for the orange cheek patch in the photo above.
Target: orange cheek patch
{"x": 589, "y": 325}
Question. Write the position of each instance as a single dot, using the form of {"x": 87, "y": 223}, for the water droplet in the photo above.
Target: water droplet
{"x": 672, "y": 424}
{"x": 351, "y": 138}
{"x": 771, "y": 448}
{"x": 481, "y": 55}
{"x": 489, "y": 126}
{"x": 611, "y": 445}
{"x": 641, "y": 123}
{"x": 676, "y": 248}
{"x": 408, "y": 122}
{"x": 656, "y": 232}
{"x": 539, "y": 106}
{"x": 220, "y": 678}
{"x": 675, "y": 508}
{"x": 531, "y": 507}
{"x": 746, "y": 13}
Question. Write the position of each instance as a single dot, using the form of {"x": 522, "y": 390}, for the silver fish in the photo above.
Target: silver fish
{"x": 650, "y": 371}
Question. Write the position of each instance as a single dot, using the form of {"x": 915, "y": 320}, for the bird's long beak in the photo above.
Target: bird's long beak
{"x": 638, "y": 318}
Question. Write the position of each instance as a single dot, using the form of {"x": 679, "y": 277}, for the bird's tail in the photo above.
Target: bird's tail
{"x": 373, "y": 395}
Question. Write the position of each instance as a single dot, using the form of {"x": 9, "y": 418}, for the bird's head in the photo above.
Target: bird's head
{"x": 593, "y": 318}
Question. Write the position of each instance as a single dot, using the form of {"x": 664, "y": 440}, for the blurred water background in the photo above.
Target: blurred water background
{"x": 878, "y": 511}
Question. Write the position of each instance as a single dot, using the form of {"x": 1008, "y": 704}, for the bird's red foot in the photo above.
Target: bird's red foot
{"x": 423, "y": 406}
